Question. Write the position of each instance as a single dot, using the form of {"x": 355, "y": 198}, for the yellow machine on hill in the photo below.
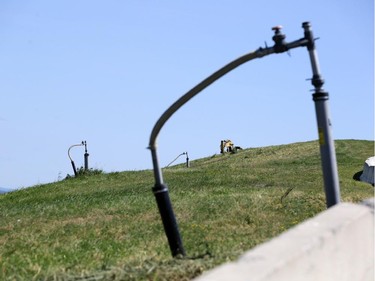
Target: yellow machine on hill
{"x": 228, "y": 146}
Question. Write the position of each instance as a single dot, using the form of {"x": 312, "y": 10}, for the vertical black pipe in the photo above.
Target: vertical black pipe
{"x": 86, "y": 157}
{"x": 74, "y": 168}
{"x": 163, "y": 201}
{"x": 169, "y": 221}
{"x": 327, "y": 147}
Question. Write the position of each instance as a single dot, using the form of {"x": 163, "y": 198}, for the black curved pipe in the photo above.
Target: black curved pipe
{"x": 160, "y": 190}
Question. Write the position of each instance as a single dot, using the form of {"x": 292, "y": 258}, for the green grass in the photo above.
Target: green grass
{"x": 107, "y": 226}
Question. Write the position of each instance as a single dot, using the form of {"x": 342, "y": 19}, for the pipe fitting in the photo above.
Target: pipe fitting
{"x": 279, "y": 39}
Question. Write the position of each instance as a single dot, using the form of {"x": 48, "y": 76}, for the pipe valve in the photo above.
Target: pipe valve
{"x": 279, "y": 39}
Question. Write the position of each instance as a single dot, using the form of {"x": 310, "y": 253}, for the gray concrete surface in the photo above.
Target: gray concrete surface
{"x": 337, "y": 245}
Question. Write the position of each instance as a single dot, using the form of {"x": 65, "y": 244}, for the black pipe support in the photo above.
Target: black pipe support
{"x": 169, "y": 221}
{"x": 86, "y": 156}
{"x": 74, "y": 168}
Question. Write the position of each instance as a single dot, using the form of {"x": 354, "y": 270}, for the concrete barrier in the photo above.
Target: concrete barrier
{"x": 337, "y": 245}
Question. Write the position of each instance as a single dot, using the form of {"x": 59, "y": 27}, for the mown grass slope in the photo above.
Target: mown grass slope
{"x": 107, "y": 226}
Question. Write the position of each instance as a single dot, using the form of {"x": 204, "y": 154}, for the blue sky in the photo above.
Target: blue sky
{"x": 104, "y": 72}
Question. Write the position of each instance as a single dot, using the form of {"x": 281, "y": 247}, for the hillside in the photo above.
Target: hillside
{"x": 107, "y": 226}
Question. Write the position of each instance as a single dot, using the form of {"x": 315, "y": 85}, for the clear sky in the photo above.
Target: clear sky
{"x": 104, "y": 72}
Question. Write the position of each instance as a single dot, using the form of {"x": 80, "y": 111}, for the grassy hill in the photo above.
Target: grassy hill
{"x": 107, "y": 226}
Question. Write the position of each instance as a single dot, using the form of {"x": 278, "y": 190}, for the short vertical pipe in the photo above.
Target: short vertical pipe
{"x": 169, "y": 220}
{"x": 74, "y": 167}
{"x": 327, "y": 149}
{"x": 163, "y": 201}
{"x": 86, "y": 157}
